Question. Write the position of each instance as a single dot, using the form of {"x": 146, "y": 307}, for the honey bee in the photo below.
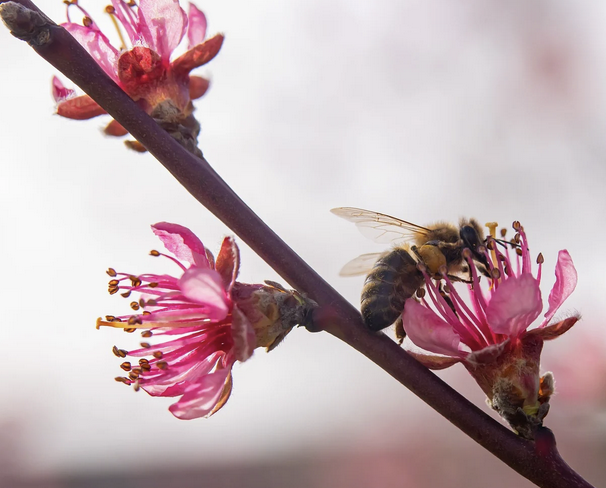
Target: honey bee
{"x": 394, "y": 276}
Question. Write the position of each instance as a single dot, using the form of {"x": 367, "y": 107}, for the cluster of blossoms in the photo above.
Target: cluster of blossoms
{"x": 161, "y": 87}
{"x": 489, "y": 333}
{"x": 218, "y": 321}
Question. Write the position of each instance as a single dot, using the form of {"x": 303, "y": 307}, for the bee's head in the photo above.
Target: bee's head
{"x": 472, "y": 241}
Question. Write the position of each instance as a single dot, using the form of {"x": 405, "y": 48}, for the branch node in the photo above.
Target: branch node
{"x": 26, "y": 24}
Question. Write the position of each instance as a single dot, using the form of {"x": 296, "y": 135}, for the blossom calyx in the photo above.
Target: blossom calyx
{"x": 272, "y": 310}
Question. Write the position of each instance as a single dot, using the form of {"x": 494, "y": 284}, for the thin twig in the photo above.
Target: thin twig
{"x": 538, "y": 461}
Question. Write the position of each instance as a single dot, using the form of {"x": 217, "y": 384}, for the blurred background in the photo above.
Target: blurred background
{"x": 422, "y": 109}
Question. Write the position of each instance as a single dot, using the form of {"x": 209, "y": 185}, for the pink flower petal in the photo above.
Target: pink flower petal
{"x": 176, "y": 384}
{"x": 60, "y": 93}
{"x": 228, "y": 262}
{"x": 566, "y": 281}
{"x": 162, "y": 24}
{"x": 182, "y": 242}
{"x": 97, "y": 45}
{"x": 201, "y": 398}
{"x": 196, "y": 26}
{"x": 243, "y": 333}
{"x": 514, "y": 305}
{"x": 205, "y": 286}
{"x": 429, "y": 331}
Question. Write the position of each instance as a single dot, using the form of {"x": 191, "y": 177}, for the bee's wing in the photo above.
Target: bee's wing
{"x": 380, "y": 227}
{"x": 361, "y": 265}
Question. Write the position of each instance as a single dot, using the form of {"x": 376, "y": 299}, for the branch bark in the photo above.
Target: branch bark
{"x": 537, "y": 461}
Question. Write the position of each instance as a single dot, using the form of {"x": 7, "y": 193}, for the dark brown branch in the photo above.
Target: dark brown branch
{"x": 538, "y": 461}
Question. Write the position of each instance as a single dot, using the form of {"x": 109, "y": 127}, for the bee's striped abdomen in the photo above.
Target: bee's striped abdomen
{"x": 393, "y": 280}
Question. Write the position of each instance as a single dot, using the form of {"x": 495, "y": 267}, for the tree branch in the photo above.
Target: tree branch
{"x": 538, "y": 461}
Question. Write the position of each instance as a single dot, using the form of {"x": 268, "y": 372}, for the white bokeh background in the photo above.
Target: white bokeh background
{"x": 425, "y": 110}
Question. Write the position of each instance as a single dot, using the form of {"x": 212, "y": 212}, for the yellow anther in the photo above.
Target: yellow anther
{"x": 154, "y": 253}
{"x": 111, "y": 272}
{"x": 492, "y": 229}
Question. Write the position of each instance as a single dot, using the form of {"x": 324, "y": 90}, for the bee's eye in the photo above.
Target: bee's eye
{"x": 470, "y": 237}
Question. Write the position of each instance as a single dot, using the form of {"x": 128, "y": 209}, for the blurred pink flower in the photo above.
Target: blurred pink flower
{"x": 489, "y": 333}
{"x": 218, "y": 321}
{"x": 164, "y": 89}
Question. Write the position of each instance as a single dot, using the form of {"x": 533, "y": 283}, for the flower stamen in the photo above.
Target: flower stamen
{"x": 492, "y": 230}
{"x": 111, "y": 11}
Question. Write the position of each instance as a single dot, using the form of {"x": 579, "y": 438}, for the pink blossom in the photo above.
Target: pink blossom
{"x": 489, "y": 332}
{"x": 206, "y": 319}
{"x": 163, "y": 88}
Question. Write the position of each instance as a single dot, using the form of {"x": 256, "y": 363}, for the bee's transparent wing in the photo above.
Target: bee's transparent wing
{"x": 380, "y": 227}
{"x": 361, "y": 265}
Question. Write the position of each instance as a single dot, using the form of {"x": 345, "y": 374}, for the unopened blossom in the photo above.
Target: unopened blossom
{"x": 489, "y": 332}
{"x": 149, "y": 31}
{"x": 197, "y": 323}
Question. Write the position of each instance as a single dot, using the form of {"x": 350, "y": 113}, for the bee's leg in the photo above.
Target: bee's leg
{"x": 454, "y": 278}
{"x": 415, "y": 251}
{"x": 400, "y": 332}
{"x": 446, "y": 297}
